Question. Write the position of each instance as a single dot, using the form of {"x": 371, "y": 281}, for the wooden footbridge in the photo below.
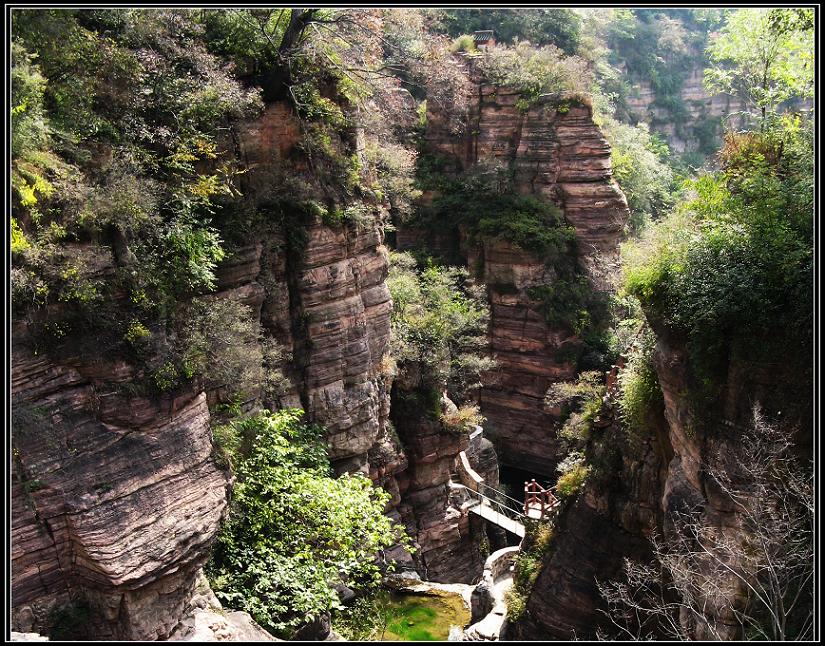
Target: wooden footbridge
{"x": 499, "y": 508}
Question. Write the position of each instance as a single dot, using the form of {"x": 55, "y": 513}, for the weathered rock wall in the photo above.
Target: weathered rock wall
{"x": 612, "y": 519}
{"x": 447, "y": 541}
{"x": 702, "y": 110}
{"x": 117, "y": 498}
{"x": 555, "y": 151}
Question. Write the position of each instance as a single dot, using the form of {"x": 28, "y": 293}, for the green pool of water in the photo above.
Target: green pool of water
{"x": 423, "y": 617}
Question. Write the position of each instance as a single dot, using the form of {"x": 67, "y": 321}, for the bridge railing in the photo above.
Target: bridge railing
{"x": 497, "y": 505}
{"x": 500, "y": 497}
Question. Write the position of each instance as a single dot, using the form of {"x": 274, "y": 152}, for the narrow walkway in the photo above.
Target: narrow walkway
{"x": 496, "y": 506}
{"x": 495, "y": 582}
{"x": 486, "y": 511}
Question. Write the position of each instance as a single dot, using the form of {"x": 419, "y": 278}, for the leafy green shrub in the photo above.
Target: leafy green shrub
{"x": 137, "y": 335}
{"x": 114, "y": 143}
{"x": 275, "y": 357}
{"x": 534, "y": 71}
{"x": 394, "y": 166}
{"x": 574, "y": 473}
{"x": 439, "y": 324}
{"x": 735, "y": 258}
{"x": 659, "y": 45}
{"x": 463, "y": 43}
{"x": 537, "y": 25}
{"x": 639, "y": 390}
{"x": 579, "y": 403}
{"x": 536, "y": 546}
{"x": 19, "y": 242}
{"x": 528, "y": 222}
{"x": 572, "y": 304}
{"x": 294, "y": 531}
{"x": 463, "y": 418}
{"x": 640, "y": 169}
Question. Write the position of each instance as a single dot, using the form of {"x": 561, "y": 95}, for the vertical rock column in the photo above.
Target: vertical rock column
{"x": 116, "y": 498}
{"x": 555, "y": 152}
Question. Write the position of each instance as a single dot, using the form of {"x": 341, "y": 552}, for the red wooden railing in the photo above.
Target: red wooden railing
{"x": 537, "y": 497}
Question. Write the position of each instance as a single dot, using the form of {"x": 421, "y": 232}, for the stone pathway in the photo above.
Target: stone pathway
{"x": 496, "y": 581}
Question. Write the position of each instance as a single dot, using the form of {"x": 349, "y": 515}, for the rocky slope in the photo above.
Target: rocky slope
{"x": 639, "y": 479}
{"x": 612, "y": 519}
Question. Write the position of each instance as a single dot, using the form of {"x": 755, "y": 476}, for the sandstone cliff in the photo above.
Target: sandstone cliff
{"x": 556, "y": 152}
{"x": 699, "y": 125}
{"x": 117, "y": 497}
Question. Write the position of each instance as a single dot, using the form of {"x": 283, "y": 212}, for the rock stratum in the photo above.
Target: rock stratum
{"x": 555, "y": 152}
{"x": 641, "y": 478}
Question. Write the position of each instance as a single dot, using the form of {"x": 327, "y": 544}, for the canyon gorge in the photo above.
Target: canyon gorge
{"x": 120, "y": 489}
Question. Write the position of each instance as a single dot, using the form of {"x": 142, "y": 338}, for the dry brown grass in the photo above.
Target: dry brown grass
{"x": 463, "y": 417}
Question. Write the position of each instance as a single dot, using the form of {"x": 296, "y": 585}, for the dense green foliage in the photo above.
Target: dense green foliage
{"x": 734, "y": 261}
{"x": 572, "y": 303}
{"x": 640, "y": 166}
{"x": 439, "y": 327}
{"x": 579, "y": 404}
{"x": 481, "y": 201}
{"x": 639, "y": 391}
{"x": 116, "y": 124}
{"x": 559, "y": 27}
{"x": 573, "y": 474}
{"x": 765, "y": 57}
{"x": 293, "y": 530}
{"x": 660, "y": 46}
{"x": 126, "y": 197}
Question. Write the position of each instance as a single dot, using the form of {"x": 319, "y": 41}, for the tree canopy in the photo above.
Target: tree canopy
{"x": 764, "y": 56}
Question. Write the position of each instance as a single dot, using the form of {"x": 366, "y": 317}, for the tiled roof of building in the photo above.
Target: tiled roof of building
{"x": 482, "y": 36}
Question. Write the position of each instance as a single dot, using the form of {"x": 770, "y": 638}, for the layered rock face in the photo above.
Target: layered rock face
{"x": 556, "y": 152}
{"x": 700, "y": 107}
{"x": 325, "y": 301}
{"x": 345, "y": 307}
{"x": 116, "y": 499}
{"x": 702, "y": 446}
{"x": 447, "y": 546}
{"x": 612, "y": 519}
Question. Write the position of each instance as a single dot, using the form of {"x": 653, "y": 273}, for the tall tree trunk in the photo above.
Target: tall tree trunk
{"x": 298, "y": 20}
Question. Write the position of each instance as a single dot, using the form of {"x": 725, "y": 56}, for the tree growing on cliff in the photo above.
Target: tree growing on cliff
{"x": 764, "y": 56}
{"x": 757, "y": 577}
{"x": 439, "y": 325}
